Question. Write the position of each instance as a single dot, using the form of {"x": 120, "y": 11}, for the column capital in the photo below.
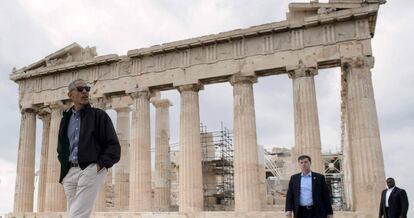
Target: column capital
{"x": 56, "y": 105}
{"x": 28, "y": 110}
{"x": 100, "y": 103}
{"x": 122, "y": 109}
{"x": 301, "y": 70}
{"x": 237, "y": 78}
{"x": 44, "y": 113}
{"x": 161, "y": 103}
{"x": 191, "y": 87}
{"x": 124, "y": 101}
{"x": 357, "y": 62}
{"x": 141, "y": 93}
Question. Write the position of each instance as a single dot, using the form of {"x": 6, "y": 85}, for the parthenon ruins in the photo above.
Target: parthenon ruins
{"x": 314, "y": 36}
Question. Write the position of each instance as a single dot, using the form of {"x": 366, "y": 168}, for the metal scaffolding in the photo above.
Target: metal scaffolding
{"x": 218, "y": 169}
{"x": 335, "y": 178}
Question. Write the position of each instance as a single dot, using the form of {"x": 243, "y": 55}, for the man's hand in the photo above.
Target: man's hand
{"x": 288, "y": 213}
{"x": 329, "y": 216}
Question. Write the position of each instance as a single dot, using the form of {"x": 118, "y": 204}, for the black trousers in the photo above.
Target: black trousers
{"x": 306, "y": 212}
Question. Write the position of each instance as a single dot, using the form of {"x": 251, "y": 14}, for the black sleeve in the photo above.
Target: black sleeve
{"x": 59, "y": 145}
{"x": 326, "y": 198}
{"x": 110, "y": 147}
{"x": 404, "y": 203}
{"x": 289, "y": 196}
{"x": 381, "y": 212}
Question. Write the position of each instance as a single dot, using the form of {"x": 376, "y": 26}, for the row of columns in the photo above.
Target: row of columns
{"x": 367, "y": 171}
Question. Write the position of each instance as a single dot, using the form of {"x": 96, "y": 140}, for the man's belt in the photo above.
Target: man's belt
{"x": 308, "y": 207}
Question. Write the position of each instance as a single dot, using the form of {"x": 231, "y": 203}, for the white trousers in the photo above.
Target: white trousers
{"x": 81, "y": 188}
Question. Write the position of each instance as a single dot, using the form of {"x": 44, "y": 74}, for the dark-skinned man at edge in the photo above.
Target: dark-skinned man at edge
{"x": 394, "y": 201}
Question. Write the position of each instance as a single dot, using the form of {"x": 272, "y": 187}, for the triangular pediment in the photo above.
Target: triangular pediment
{"x": 71, "y": 53}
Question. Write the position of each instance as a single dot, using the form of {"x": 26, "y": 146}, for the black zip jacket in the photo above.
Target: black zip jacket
{"x": 98, "y": 142}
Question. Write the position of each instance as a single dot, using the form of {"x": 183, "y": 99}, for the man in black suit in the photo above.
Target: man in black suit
{"x": 394, "y": 201}
{"x": 308, "y": 194}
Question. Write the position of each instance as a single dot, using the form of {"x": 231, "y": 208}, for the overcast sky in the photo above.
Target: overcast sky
{"x": 30, "y": 30}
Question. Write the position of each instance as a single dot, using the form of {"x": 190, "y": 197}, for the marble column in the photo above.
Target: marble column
{"x": 100, "y": 203}
{"x": 306, "y": 121}
{"x": 41, "y": 194}
{"x": 122, "y": 167}
{"x": 24, "y": 189}
{"x": 55, "y": 200}
{"x": 364, "y": 138}
{"x": 190, "y": 171}
{"x": 246, "y": 176}
{"x": 140, "y": 198}
{"x": 346, "y": 154}
{"x": 162, "y": 189}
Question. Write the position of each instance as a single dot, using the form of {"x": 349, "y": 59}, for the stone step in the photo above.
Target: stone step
{"x": 219, "y": 214}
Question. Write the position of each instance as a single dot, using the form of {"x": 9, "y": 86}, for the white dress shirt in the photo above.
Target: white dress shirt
{"x": 387, "y": 196}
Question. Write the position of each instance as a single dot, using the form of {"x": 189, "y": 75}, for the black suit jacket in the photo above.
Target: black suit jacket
{"x": 320, "y": 194}
{"x": 398, "y": 204}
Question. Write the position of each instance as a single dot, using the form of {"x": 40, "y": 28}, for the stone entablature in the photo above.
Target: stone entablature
{"x": 321, "y": 40}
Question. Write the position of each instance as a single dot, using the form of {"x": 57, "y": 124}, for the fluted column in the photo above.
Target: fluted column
{"x": 162, "y": 156}
{"x": 364, "y": 138}
{"x": 41, "y": 194}
{"x": 140, "y": 198}
{"x": 346, "y": 154}
{"x": 307, "y": 133}
{"x": 122, "y": 167}
{"x": 246, "y": 176}
{"x": 190, "y": 171}
{"x": 24, "y": 189}
{"x": 55, "y": 200}
{"x": 100, "y": 203}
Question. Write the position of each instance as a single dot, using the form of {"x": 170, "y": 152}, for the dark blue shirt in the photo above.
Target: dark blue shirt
{"x": 73, "y": 135}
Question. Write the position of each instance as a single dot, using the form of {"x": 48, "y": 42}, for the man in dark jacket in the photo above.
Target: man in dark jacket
{"x": 87, "y": 147}
{"x": 308, "y": 194}
{"x": 394, "y": 201}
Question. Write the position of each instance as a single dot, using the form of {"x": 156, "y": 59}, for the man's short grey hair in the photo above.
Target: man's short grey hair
{"x": 72, "y": 85}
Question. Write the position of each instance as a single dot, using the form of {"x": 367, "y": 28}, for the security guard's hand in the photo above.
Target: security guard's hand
{"x": 329, "y": 216}
{"x": 288, "y": 213}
